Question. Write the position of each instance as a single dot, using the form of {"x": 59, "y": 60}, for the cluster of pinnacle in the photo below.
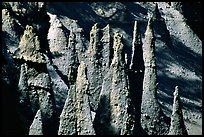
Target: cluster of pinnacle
{"x": 102, "y": 97}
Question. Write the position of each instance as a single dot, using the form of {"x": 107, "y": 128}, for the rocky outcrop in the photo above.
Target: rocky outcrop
{"x": 68, "y": 119}
{"x": 83, "y": 112}
{"x": 38, "y": 92}
{"x": 32, "y": 14}
{"x": 36, "y": 127}
{"x": 76, "y": 117}
{"x": 106, "y": 50}
{"x": 29, "y": 47}
{"x": 38, "y": 95}
{"x": 177, "y": 124}
{"x": 94, "y": 67}
{"x": 58, "y": 44}
{"x": 113, "y": 115}
{"x": 122, "y": 121}
{"x": 34, "y": 83}
{"x": 99, "y": 60}
{"x": 104, "y": 86}
{"x": 152, "y": 118}
{"x": 11, "y": 30}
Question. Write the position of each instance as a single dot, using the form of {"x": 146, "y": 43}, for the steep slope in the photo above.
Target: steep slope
{"x": 45, "y": 45}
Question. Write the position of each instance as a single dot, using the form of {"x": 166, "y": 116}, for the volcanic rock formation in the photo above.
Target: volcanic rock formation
{"x": 103, "y": 69}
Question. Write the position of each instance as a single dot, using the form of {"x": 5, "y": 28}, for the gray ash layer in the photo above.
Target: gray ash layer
{"x": 101, "y": 68}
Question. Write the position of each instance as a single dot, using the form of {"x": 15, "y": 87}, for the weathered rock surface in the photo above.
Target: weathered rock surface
{"x": 121, "y": 120}
{"x": 113, "y": 114}
{"x": 83, "y": 112}
{"x": 36, "y": 127}
{"x": 177, "y": 124}
{"x": 102, "y": 117}
{"x": 98, "y": 61}
{"x": 72, "y": 59}
{"x": 94, "y": 66}
{"x": 68, "y": 119}
{"x": 106, "y": 50}
{"x": 11, "y": 30}
{"x": 21, "y": 9}
{"x": 38, "y": 95}
{"x": 102, "y": 84}
{"x": 152, "y": 118}
{"x": 29, "y": 47}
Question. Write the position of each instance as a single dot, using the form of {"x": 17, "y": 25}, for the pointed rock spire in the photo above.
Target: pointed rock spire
{"x": 41, "y": 96}
{"x": 121, "y": 120}
{"x": 68, "y": 119}
{"x": 151, "y": 114}
{"x": 36, "y": 127}
{"x": 83, "y": 112}
{"x": 149, "y": 45}
{"x": 23, "y": 85}
{"x": 94, "y": 67}
{"x": 102, "y": 123}
{"x": 177, "y": 124}
{"x": 136, "y": 63}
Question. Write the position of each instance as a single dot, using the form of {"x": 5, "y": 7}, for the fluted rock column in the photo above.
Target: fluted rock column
{"x": 40, "y": 95}
{"x": 76, "y": 117}
{"x": 22, "y": 84}
{"x": 115, "y": 114}
{"x": 94, "y": 67}
{"x": 68, "y": 119}
{"x": 106, "y": 50}
{"x": 83, "y": 112}
{"x": 102, "y": 118}
{"x": 122, "y": 121}
{"x": 29, "y": 47}
{"x": 151, "y": 113}
{"x": 177, "y": 123}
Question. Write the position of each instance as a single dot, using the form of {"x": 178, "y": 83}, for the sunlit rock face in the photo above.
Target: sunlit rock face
{"x": 101, "y": 68}
{"x": 177, "y": 124}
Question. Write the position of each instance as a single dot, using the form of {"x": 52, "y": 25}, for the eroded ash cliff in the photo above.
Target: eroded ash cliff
{"x": 99, "y": 70}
